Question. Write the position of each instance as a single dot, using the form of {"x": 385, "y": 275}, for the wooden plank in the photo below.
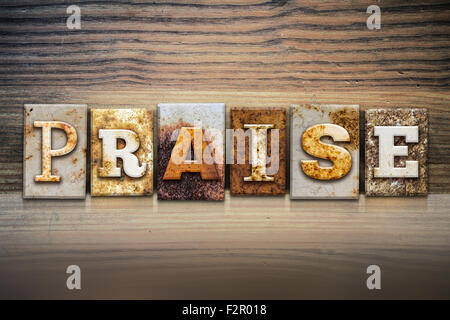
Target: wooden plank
{"x": 243, "y": 53}
{"x": 242, "y": 248}
{"x": 277, "y": 45}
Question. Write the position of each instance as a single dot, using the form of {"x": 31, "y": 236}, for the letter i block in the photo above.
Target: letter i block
{"x": 54, "y": 164}
{"x": 257, "y": 151}
{"x": 121, "y": 152}
{"x": 191, "y": 141}
{"x": 324, "y": 152}
{"x": 396, "y": 152}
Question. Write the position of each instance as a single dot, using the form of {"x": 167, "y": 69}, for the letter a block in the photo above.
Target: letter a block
{"x": 257, "y": 151}
{"x": 396, "y": 152}
{"x": 55, "y": 151}
{"x": 191, "y": 141}
{"x": 324, "y": 152}
{"x": 121, "y": 152}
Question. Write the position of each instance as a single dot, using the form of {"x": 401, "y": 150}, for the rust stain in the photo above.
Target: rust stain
{"x": 312, "y": 145}
{"x": 312, "y": 107}
{"x": 349, "y": 120}
{"x": 140, "y": 121}
{"x": 29, "y": 130}
{"x": 71, "y": 112}
{"x": 267, "y": 115}
{"x": 174, "y": 171}
{"x": 80, "y": 174}
{"x": 54, "y": 132}
{"x": 190, "y": 186}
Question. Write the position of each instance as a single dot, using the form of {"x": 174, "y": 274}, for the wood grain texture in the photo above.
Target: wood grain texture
{"x": 242, "y": 248}
{"x": 243, "y": 53}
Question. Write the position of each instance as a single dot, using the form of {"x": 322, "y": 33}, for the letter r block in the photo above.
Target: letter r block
{"x": 396, "y": 152}
{"x": 54, "y": 164}
{"x": 121, "y": 152}
{"x": 324, "y": 151}
{"x": 256, "y": 151}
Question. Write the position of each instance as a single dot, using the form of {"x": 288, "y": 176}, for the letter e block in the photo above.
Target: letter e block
{"x": 396, "y": 152}
{"x": 121, "y": 152}
{"x": 324, "y": 152}
{"x": 54, "y": 164}
{"x": 257, "y": 151}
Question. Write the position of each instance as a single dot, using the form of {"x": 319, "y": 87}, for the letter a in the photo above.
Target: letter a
{"x": 374, "y": 281}
{"x": 178, "y": 163}
{"x": 74, "y": 280}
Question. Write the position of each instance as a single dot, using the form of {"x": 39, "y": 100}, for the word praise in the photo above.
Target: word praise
{"x": 193, "y": 147}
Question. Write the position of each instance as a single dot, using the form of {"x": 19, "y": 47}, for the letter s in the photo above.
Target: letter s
{"x": 342, "y": 161}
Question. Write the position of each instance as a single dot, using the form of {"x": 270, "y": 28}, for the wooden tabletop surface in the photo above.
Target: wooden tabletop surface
{"x": 268, "y": 247}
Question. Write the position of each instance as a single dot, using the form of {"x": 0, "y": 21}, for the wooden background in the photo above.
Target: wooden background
{"x": 243, "y": 53}
{"x": 240, "y": 53}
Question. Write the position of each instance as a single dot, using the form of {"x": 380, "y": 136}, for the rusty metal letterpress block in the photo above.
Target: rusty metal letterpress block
{"x": 191, "y": 151}
{"x": 324, "y": 151}
{"x": 54, "y": 164}
{"x": 396, "y": 152}
{"x": 257, "y": 151}
{"x": 121, "y": 152}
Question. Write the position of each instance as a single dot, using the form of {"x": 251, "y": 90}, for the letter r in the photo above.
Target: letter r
{"x": 110, "y": 153}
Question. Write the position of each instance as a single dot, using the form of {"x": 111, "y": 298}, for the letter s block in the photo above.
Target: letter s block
{"x": 55, "y": 151}
{"x": 121, "y": 152}
{"x": 396, "y": 152}
{"x": 324, "y": 152}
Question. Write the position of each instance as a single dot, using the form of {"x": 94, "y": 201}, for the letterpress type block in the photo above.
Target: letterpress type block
{"x": 121, "y": 152}
{"x": 324, "y": 151}
{"x": 191, "y": 151}
{"x": 396, "y": 152}
{"x": 54, "y": 151}
{"x": 257, "y": 151}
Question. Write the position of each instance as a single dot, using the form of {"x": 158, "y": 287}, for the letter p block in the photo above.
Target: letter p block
{"x": 54, "y": 151}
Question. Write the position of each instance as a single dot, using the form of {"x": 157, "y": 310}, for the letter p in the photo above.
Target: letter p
{"x": 48, "y": 152}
